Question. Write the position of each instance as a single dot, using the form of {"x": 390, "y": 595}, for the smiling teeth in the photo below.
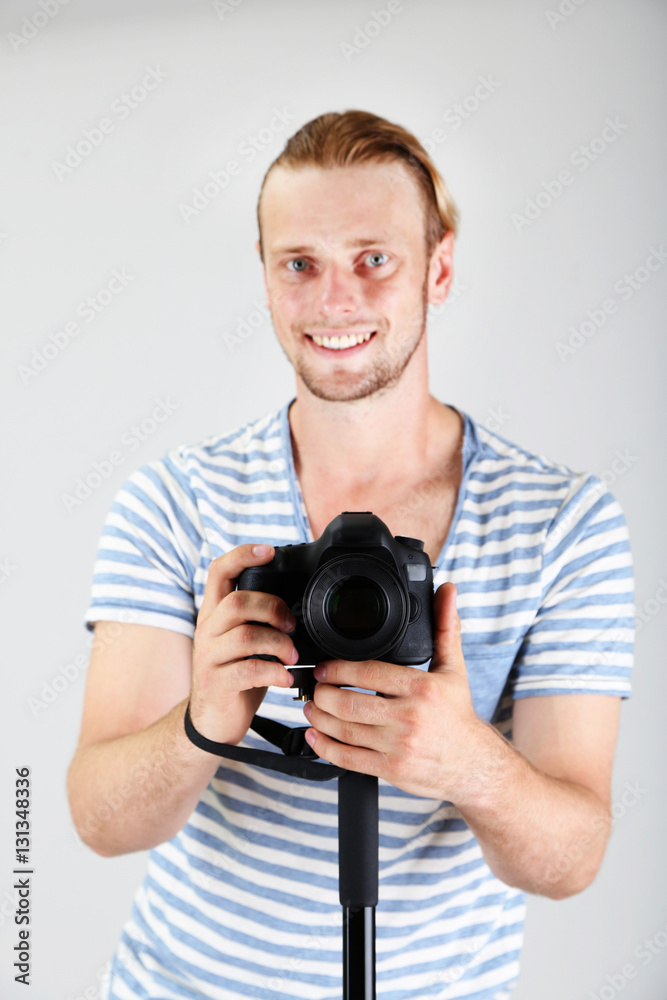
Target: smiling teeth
{"x": 340, "y": 343}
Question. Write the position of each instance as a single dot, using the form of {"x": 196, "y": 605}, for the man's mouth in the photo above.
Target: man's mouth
{"x": 344, "y": 342}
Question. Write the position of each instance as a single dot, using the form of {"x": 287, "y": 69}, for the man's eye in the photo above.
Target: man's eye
{"x": 373, "y": 257}
{"x": 299, "y": 261}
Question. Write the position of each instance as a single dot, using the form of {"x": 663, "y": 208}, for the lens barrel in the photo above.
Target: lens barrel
{"x": 356, "y": 607}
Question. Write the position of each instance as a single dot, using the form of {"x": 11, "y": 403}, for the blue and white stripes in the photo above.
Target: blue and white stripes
{"x": 243, "y": 902}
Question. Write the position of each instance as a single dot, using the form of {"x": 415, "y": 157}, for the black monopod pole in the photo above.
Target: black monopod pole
{"x": 358, "y": 845}
{"x": 358, "y": 840}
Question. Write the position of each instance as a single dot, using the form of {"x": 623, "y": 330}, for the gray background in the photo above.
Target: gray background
{"x": 493, "y": 352}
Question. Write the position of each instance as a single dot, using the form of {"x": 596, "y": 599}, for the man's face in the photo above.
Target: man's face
{"x": 344, "y": 254}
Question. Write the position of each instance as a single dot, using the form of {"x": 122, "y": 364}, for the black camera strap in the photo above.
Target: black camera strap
{"x": 299, "y": 759}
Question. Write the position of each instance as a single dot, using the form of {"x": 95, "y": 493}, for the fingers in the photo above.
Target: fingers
{"x": 350, "y": 706}
{"x": 391, "y": 679}
{"x": 244, "y": 675}
{"x": 447, "y": 651}
{"x": 250, "y": 606}
{"x": 356, "y": 734}
{"x": 234, "y": 629}
{"x": 224, "y": 571}
{"x": 248, "y": 640}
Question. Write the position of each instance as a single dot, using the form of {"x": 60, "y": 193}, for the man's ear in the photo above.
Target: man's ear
{"x": 441, "y": 269}
{"x": 257, "y": 247}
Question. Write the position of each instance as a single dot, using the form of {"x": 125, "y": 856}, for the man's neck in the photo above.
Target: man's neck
{"x": 363, "y": 445}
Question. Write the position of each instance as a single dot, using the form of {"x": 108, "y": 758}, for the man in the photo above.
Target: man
{"x": 241, "y": 895}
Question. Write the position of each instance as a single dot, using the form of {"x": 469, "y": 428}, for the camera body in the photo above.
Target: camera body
{"x": 357, "y": 593}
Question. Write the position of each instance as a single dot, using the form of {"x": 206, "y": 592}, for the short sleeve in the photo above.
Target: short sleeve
{"x": 149, "y": 551}
{"x": 582, "y": 637}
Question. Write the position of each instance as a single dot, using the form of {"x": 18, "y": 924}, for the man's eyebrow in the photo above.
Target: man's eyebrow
{"x": 360, "y": 241}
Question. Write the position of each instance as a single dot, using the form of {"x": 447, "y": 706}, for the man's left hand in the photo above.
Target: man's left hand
{"x": 420, "y": 736}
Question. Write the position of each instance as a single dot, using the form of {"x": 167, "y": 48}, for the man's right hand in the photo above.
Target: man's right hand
{"x": 227, "y": 689}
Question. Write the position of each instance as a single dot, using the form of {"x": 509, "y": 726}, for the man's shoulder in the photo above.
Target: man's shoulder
{"x": 496, "y": 450}
{"x": 248, "y": 451}
{"x": 254, "y": 438}
{"x": 498, "y": 456}
{"x": 254, "y": 443}
{"x": 505, "y": 472}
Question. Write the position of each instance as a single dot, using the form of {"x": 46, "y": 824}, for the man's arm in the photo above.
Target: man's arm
{"x": 135, "y": 777}
{"x": 541, "y": 807}
{"x": 540, "y": 810}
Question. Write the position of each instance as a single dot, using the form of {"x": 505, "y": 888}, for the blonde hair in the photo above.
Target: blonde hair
{"x": 347, "y": 138}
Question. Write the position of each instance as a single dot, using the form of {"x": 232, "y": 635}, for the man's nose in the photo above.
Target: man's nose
{"x": 339, "y": 289}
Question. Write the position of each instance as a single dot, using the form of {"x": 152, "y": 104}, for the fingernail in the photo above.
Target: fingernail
{"x": 261, "y": 550}
{"x": 290, "y": 623}
{"x": 310, "y": 736}
{"x": 295, "y": 655}
{"x": 307, "y": 709}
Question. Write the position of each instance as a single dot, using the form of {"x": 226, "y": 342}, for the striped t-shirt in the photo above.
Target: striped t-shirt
{"x": 243, "y": 901}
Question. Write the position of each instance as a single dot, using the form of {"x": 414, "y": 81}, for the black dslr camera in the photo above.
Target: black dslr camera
{"x": 357, "y": 593}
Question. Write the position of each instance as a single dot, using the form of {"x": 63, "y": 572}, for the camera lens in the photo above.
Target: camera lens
{"x": 356, "y": 607}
